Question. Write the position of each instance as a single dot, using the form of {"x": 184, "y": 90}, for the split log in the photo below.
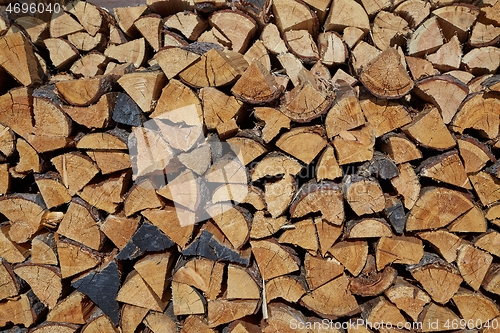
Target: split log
{"x": 436, "y": 208}
{"x": 474, "y": 154}
{"x": 286, "y": 287}
{"x": 357, "y": 17}
{"x": 272, "y": 40}
{"x": 324, "y": 197}
{"x": 141, "y": 196}
{"x": 256, "y": 85}
{"x": 294, "y": 141}
{"x": 427, "y": 38}
{"x": 486, "y": 187}
{"x": 321, "y": 302}
{"x": 223, "y": 311}
{"x": 130, "y": 52}
{"x": 456, "y": 20}
{"x": 24, "y": 310}
{"x": 230, "y": 67}
{"x": 241, "y": 284}
{"x": 370, "y": 282}
{"x": 378, "y": 309}
{"x": 96, "y": 115}
{"x": 303, "y": 234}
{"x": 389, "y": 30}
{"x": 467, "y": 302}
{"x": 383, "y": 115}
{"x": 147, "y": 238}
{"x": 473, "y": 264}
{"x": 420, "y": 68}
{"x": 209, "y": 246}
{"x": 233, "y": 222}
{"x": 186, "y": 300}
{"x": 263, "y": 226}
{"x": 448, "y": 56}
{"x": 62, "y": 52}
{"x": 238, "y": 27}
{"x": 143, "y": 87}
{"x": 97, "y": 283}
{"x": 364, "y": 195}
{"x": 383, "y": 83}
{"x": 446, "y": 93}
{"x": 306, "y": 101}
{"x": 88, "y": 15}
{"x": 75, "y": 258}
{"x": 44, "y": 280}
{"x": 25, "y": 213}
{"x": 11, "y": 285}
{"x": 355, "y": 145}
{"x": 487, "y": 242}
{"x": 25, "y": 70}
{"x": 445, "y": 242}
{"x": 86, "y": 230}
{"x": 126, "y": 16}
{"x": 491, "y": 281}
{"x": 149, "y": 27}
{"x": 484, "y": 35}
{"x": 157, "y": 321}
{"x": 472, "y": 221}
{"x": 108, "y": 194}
{"x": 345, "y": 114}
{"x": 110, "y": 161}
{"x": 43, "y": 249}
{"x": 294, "y": 15}
{"x": 475, "y": 111}
{"x": 346, "y": 251}
{"x": 188, "y": 24}
{"x": 175, "y": 59}
{"x": 399, "y": 148}
{"x": 399, "y": 250}
{"x": 29, "y": 160}
{"x": 185, "y": 108}
{"x": 270, "y": 264}
{"x": 433, "y": 274}
{"x": 11, "y": 251}
{"x": 407, "y": 297}
{"x": 71, "y": 90}
{"x": 203, "y": 274}
{"x": 195, "y": 323}
{"x": 89, "y": 65}
{"x": 279, "y": 194}
{"x": 328, "y": 167}
{"x": 482, "y": 60}
{"x": 119, "y": 229}
{"x": 368, "y": 228}
{"x": 75, "y": 170}
{"x": 98, "y": 323}
{"x": 447, "y": 168}
{"x": 74, "y": 309}
{"x": 83, "y": 41}
{"x": 301, "y": 44}
{"x": 258, "y": 52}
{"x": 178, "y": 233}
{"x": 438, "y": 314}
{"x": 428, "y": 129}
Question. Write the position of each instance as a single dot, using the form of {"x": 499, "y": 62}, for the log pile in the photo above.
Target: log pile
{"x": 251, "y": 166}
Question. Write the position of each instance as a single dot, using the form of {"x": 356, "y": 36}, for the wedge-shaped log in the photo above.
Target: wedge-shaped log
{"x": 324, "y": 197}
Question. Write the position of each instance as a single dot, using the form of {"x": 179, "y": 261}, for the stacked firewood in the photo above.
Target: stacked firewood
{"x": 251, "y": 166}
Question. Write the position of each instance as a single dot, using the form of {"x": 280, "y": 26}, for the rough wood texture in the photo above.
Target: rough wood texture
{"x": 245, "y": 166}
